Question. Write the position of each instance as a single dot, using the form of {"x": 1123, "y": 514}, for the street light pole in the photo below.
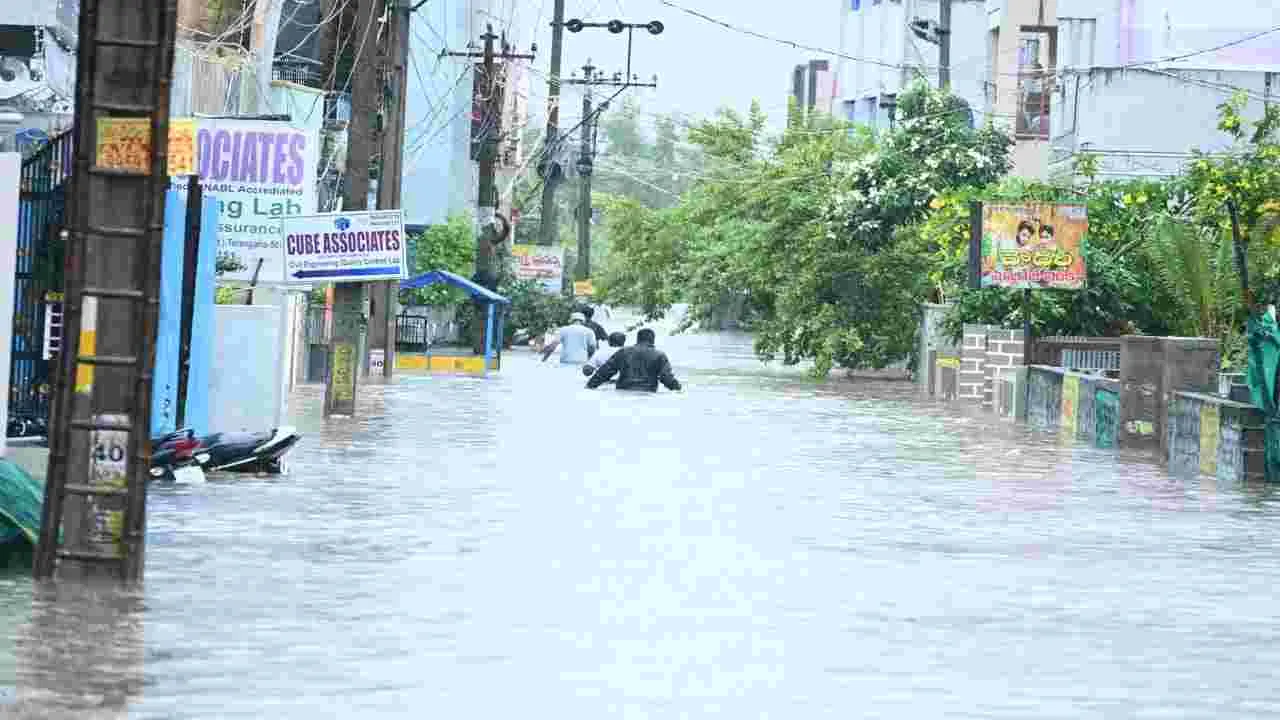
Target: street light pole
{"x": 590, "y": 124}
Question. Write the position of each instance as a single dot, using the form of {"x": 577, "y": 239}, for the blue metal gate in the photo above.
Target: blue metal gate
{"x": 41, "y": 209}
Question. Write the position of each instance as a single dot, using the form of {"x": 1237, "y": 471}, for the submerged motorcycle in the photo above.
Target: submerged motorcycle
{"x": 176, "y": 457}
{"x": 180, "y": 456}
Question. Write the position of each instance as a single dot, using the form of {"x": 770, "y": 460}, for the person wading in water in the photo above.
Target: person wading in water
{"x": 576, "y": 342}
{"x": 639, "y": 367}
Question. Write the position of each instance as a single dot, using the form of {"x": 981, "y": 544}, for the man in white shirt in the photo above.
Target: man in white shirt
{"x": 616, "y": 341}
{"x": 577, "y": 342}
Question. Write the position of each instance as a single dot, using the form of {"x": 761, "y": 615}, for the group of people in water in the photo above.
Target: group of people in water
{"x": 637, "y": 367}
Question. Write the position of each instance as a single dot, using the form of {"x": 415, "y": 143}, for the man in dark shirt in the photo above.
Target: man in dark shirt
{"x": 594, "y": 326}
{"x": 639, "y": 367}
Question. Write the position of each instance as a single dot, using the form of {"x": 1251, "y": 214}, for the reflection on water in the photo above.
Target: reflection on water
{"x": 78, "y": 653}
{"x": 758, "y": 546}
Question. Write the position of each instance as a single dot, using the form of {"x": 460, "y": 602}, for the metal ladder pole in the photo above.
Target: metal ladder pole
{"x": 96, "y": 485}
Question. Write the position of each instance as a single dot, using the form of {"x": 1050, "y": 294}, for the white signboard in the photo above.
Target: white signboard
{"x": 541, "y": 263}
{"x": 258, "y": 172}
{"x": 377, "y": 360}
{"x": 345, "y": 247}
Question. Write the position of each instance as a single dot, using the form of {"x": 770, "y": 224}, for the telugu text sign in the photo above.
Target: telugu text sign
{"x": 125, "y": 144}
{"x": 344, "y": 247}
{"x": 258, "y": 172}
{"x": 540, "y": 263}
{"x": 1035, "y": 245}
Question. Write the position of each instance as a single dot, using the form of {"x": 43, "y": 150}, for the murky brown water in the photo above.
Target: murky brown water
{"x": 757, "y": 546}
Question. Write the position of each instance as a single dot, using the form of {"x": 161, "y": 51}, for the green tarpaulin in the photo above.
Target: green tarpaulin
{"x": 1264, "y": 359}
{"x": 21, "y": 497}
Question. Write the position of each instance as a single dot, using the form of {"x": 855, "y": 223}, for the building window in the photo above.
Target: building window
{"x": 870, "y": 113}
{"x": 1033, "y": 88}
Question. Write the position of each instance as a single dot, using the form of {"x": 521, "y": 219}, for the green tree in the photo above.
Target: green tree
{"x": 448, "y": 246}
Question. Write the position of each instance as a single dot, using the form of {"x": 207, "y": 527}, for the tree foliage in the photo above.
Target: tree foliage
{"x": 448, "y": 246}
{"x": 806, "y": 231}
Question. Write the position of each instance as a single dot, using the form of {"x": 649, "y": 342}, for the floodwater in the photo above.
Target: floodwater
{"x": 757, "y": 546}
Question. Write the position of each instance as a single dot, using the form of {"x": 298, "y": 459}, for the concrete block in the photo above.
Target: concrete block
{"x": 1190, "y": 365}
{"x": 1141, "y": 391}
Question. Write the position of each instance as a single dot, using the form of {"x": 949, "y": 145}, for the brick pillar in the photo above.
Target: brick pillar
{"x": 1004, "y": 350}
{"x": 973, "y": 384}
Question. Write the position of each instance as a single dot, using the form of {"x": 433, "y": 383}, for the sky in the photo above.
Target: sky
{"x": 700, "y": 66}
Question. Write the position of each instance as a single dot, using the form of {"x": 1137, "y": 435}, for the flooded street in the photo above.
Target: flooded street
{"x": 756, "y": 546}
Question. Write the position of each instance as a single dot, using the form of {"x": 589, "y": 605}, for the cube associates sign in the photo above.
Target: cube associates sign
{"x": 344, "y": 247}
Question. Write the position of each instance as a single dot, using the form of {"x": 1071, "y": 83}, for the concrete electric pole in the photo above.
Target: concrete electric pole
{"x": 395, "y": 61}
{"x": 350, "y": 300}
{"x": 939, "y": 34}
{"x": 487, "y": 129}
{"x": 548, "y": 168}
{"x": 944, "y": 44}
{"x": 100, "y": 439}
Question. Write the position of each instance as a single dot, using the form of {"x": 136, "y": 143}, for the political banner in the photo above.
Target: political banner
{"x": 1033, "y": 245}
{"x": 259, "y": 172}
{"x": 344, "y": 247}
{"x": 541, "y": 263}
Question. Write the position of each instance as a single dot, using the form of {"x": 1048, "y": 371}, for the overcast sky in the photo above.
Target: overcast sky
{"x": 700, "y": 66}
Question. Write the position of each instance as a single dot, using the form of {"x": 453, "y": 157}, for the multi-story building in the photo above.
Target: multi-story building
{"x": 1021, "y": 52}
{"x": 1139, "y": 81}
{"x": 813, "y": 87}
{"x": 889, "y": 56}
{"x": 440, "y": 172}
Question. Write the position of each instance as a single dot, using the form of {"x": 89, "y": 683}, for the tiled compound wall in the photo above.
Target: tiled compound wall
{"x": 1080, "y": 406}
{"x": 985, "y": 351}
{"x": 1214, "y": 436}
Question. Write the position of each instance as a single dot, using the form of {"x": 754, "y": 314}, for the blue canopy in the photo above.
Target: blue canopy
{"x": 478, "y": 292}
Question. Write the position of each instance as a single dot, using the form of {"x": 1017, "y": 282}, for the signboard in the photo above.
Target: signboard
{"x": 377, "y": 361}
{"x": 583, "y": 288}
{"x": 541, "y": 263}
{"x": 344, "y": 247}
{"x": 1033, "y": 245}
{"x": 258, "y": 172}
{"x": 125, "y": 144}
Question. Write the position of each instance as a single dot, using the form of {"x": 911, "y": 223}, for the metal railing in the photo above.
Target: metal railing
{"x": 1085, "y": 354}
{"x": 417, "y": 333}
{"x": 43, "y": 183}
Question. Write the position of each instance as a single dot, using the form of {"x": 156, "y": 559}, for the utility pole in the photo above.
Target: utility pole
{"x": 490, "y": 92}
{"x": 490, "y": 232}
{"x": 591, "y": 121}
{"x": 944, "y": 44}
{"x": 586, "y": 161}
{"x": 350, "y": 299}
{"x": 382, "y": 317}
{"x": 100, "y": 440}
{"x": 939, "y": 34}
{"x": 547, "y": 166}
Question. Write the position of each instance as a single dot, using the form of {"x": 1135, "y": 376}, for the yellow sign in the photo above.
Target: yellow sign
{"x": 343, "y": 363}
{"x": 948, "y": 362}
{"x": 473, "y": 364}
{"x": 583, "y": 288}
{"x": 125, "y": 144}
{"x": 1210, "y": 428}
{"x": 1070, "y": 404}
